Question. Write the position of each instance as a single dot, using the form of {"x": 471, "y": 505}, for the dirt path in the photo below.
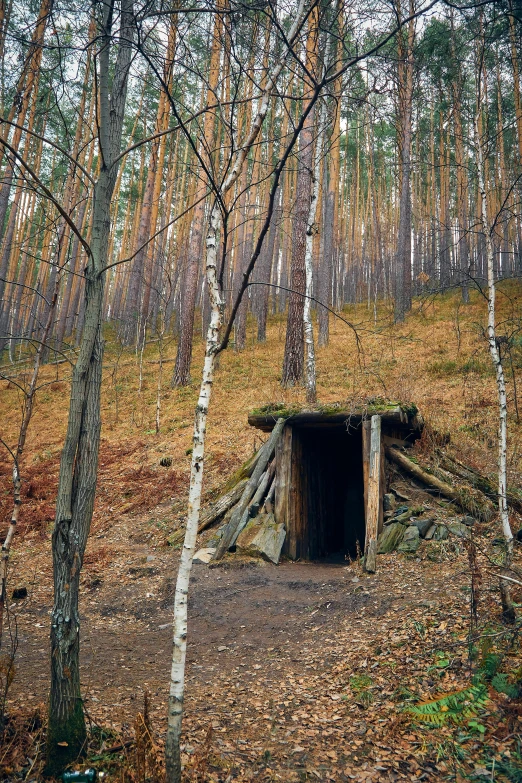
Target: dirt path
{"x": 272, "y": 653}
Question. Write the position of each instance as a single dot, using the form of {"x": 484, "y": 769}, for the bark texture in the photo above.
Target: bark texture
{"x": 496, "y": 358}
{"x": 374, "y": 496}
{"x": 79, "y": 462}
{"x": 311, "y": 230}
{"x": 293, "y": 362}
{"x": 177, "y": 676}
{"x": 403, "y": 283}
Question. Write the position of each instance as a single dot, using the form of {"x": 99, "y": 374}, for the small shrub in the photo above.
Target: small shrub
{"x": 477, "y": 366}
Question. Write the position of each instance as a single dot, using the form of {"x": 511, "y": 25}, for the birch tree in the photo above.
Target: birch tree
{"x": 212, "y": 348}
{"x": 311, "y": 230}
{"x": 217, "y": 340}
{"x": 494, "y": 349}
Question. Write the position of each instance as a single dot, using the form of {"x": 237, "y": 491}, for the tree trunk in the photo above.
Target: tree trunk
{"x": 177, "y": 677}
{"x": 181, "y": 375}
{"x": 330, "y": 211}
{"x": 403, "y": 289}
{"x": 177, "y": 685}
{"x": 265, "y": 270}
{"x": 311, "y": 230}
{"x": 66, "y": 731}
{"x": 516, "y": 81}
{"x": 496, "y": 358}
{"x": 293, "y": 361}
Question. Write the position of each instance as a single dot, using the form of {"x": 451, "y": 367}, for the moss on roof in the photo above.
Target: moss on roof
{"x": 372, "y": 406}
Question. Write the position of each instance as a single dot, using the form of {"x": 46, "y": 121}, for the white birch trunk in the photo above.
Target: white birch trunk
{"x": 500, "y": 379}
{"x": 311, "y": 230}
{"x": 177, "y": 681}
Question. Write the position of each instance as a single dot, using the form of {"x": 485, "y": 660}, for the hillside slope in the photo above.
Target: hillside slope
{"x": 318, "y": 662}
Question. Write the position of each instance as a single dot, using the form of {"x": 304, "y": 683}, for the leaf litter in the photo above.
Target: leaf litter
{"x": 294, "y": 673}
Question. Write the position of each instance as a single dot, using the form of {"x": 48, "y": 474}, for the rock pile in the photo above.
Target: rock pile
{"x": 405, "y": 526}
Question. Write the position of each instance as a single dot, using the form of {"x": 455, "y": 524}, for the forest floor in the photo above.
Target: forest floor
{"x": 295, "y": 672}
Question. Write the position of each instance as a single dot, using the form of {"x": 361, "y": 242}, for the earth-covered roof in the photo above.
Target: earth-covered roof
{"x": 402, "y": 415}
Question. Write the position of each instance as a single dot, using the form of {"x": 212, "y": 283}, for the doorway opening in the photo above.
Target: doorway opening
{"x": 333, "y": 523}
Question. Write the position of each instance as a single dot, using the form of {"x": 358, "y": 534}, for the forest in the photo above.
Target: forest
{"x": 260, "y": 362}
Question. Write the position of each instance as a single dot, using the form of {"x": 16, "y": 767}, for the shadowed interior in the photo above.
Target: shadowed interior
{"x": 333, "y": 497}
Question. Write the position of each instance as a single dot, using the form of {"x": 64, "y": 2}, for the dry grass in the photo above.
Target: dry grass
{"x": 438, "y": 359}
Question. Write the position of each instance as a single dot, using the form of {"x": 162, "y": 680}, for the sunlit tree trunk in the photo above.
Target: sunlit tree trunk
{"x": 403, "y": 287}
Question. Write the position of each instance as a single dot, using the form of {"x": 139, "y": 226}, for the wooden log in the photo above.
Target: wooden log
{"x": 252, "y": 509}
{"x": 261, "y": 491}
{"x": 216, "y": 510}
{"x": 401, "y": 418}
{"x": 282, "y": 482}
{"x": 468, "y": 498}
{"x": 244, "y": 472}
{"x": 269, "y": 500}
{"x": 267, "y": 450}
{"x": 382, "y": 487}
{"x": 374, "y": 495}
{"x": 479, "y": 481}
{"x": 221, "y": 506}
{"x": 297, "y": 516}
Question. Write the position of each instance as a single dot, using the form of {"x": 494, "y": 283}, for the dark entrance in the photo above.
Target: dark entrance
{"x": 333, "y": 491}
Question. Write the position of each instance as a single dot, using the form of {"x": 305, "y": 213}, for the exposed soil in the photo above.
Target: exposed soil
{"x": 272, "y": 656}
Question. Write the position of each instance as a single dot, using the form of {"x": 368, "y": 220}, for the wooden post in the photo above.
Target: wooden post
{"x": 374, "y": 496}
{"x": 297, "y": 519}
{"x": 366, "y": 437}
{"x": 282, "y": 486}
{"x": 382, "y": 487}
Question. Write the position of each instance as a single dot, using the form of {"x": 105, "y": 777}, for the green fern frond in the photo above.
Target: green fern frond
{"x": 454, "y": 707}
{"x": 501, "y": 684}
{"x": 490, "y": 665}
